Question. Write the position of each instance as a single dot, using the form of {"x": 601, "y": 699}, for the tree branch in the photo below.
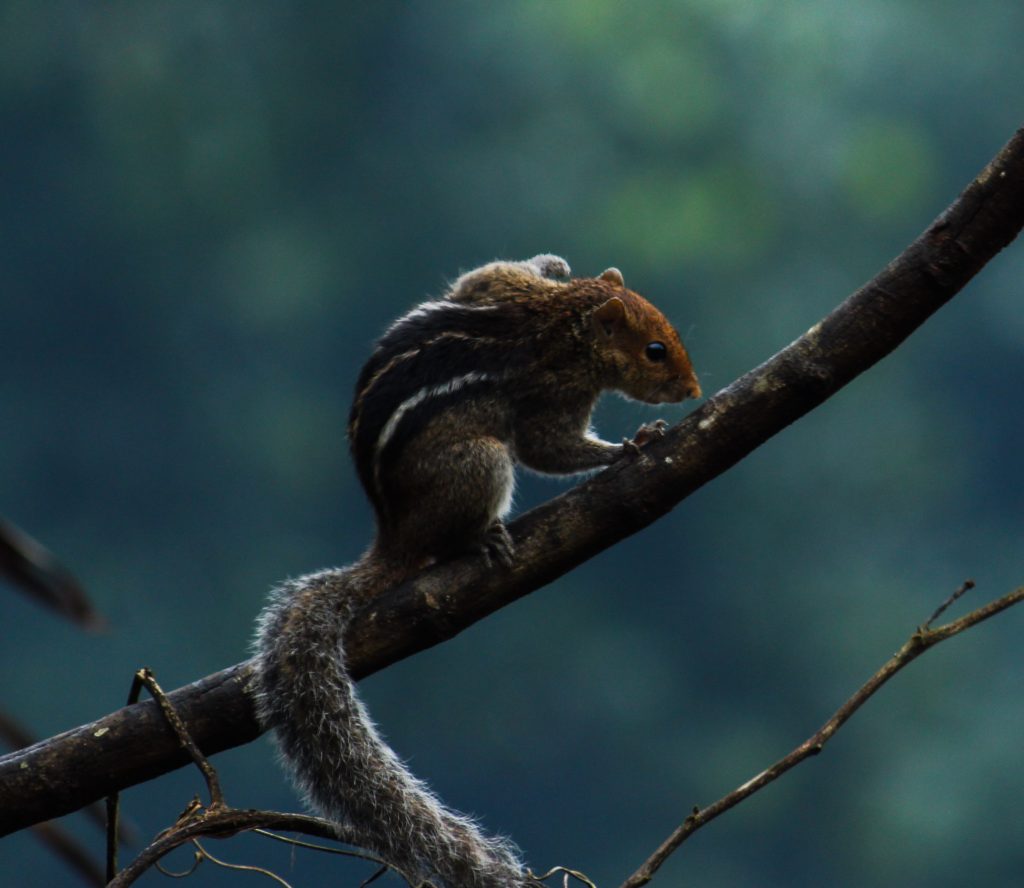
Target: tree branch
{"x": 134, "y": 744}
{"x": 923, "y": 639}
{"x": 223, "y": 823}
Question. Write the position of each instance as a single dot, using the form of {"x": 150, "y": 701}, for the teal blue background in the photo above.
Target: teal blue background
{"x": 209, "y": 211}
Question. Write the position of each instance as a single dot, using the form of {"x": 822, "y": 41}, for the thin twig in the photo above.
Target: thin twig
{"x": 35, "y": 570}
{"x": 923, "y": 639}
{"x": 197, "y": 859}
{"x": 145, "y": 675}
{"x": 219, "y": 824}
{"x": 357, "y": 853}
{"x": 206, "y": 855}
{"x": 196, "y": 822}
{"x": 114, "y": 798}
{"x": 942, "y": 608}
{"x": 382, "y": 870}
{"x": 144, "y": 678}
{"x": 566, "y": 873}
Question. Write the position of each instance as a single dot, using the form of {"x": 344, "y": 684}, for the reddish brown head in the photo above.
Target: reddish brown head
{"x": 642, "y": 349}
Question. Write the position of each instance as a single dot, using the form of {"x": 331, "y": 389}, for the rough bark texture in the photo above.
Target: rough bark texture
{"x": 132, "y": 745}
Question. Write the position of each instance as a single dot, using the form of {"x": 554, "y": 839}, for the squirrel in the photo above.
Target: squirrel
{"x": 505, "y": 368}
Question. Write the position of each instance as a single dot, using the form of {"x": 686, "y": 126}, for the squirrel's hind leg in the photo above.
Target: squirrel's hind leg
{"x": 455, "y": 502}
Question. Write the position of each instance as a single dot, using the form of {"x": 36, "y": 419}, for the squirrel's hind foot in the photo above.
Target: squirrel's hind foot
{"x": 497, "y": 545}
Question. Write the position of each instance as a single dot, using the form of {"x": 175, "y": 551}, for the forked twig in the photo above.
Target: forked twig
{"x": 148, "y": 680}
{"x": 144, "y": 678}
{"x": 923, "y": 639}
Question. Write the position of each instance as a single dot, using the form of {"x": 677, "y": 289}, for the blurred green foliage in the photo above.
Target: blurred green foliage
{"x": 211, "y": 209}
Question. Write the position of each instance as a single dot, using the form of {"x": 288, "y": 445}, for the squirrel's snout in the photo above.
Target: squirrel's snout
{"x": 678, "y": 389}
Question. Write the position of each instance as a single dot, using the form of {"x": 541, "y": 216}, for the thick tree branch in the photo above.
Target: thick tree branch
{"x": 134, "y": 744}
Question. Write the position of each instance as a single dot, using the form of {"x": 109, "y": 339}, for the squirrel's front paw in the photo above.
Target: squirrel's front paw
{"x": 497, "y": 544}
{"x": 649, "y": 431}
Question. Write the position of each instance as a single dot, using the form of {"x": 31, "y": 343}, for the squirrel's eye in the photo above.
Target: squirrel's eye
{"x": 656, "y": 352}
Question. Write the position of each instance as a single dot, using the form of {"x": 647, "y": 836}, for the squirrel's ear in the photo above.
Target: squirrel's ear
{"x": 609, "y": 317}
{"x": 613, "y": 276}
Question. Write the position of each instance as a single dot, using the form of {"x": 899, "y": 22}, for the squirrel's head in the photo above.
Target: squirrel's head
{"x": 640, "y": 347}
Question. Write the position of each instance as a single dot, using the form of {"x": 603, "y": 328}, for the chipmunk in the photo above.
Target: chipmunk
{"x": 505, "y": 368}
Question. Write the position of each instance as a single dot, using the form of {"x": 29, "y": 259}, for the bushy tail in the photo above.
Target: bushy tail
{"x": 334, "y": 752}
